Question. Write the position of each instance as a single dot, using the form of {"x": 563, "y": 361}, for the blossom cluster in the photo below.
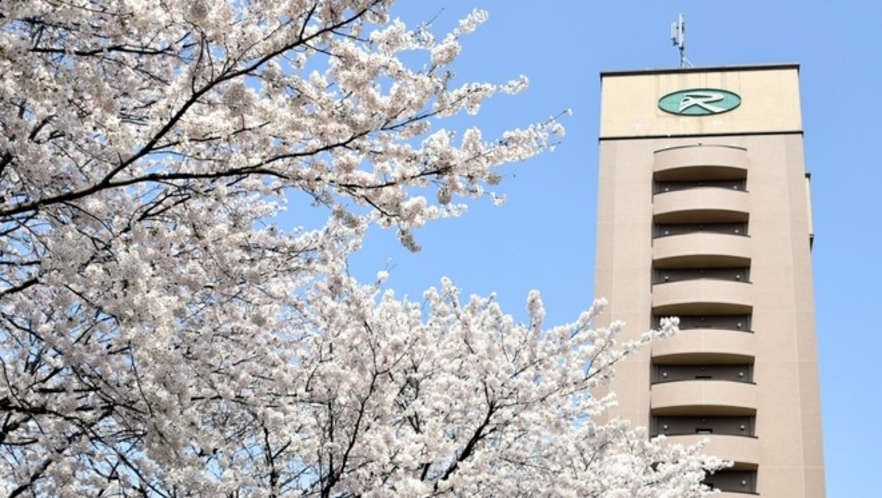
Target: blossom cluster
{"x": 161, "y": 336}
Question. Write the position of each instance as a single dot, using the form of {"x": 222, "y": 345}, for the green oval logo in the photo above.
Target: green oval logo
{"x": 699, "y": 102}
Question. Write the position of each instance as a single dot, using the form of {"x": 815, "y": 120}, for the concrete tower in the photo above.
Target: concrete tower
{"x": 704, "y": 213}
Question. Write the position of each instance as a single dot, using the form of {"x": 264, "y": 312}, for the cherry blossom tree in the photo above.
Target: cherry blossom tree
{"x": 162, "y": 337}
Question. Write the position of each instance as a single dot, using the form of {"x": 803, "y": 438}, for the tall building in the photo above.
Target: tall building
{"x": 705, "y": 214}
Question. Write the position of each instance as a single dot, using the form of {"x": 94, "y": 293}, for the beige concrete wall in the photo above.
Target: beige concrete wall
{"x": 705, "y": 345}
{"x": 769, "y": 102}
{"x": 788, "y": 418}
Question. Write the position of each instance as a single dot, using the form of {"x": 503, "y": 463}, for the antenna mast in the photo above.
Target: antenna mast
{"x": 678, "y": 37}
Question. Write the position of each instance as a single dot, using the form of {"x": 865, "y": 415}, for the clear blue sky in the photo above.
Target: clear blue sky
{"x": 543, "y": 237}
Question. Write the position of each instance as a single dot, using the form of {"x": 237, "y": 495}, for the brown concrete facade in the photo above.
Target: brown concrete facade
{"x": 709, "y": 218}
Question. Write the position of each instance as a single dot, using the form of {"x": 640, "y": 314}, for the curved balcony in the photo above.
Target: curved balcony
{"x": 701, "y": 250}
{"x": 702, "y": 297}
{"x": 701, "y": 205}
{"x": 706, "y": 346}
{"x": 703, "y": 397}
{"x": 700, "y": 162}
{"x": 743, "y": 451}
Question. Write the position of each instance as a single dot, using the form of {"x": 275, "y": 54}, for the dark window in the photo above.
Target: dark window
{"x": 726, "y": 228}
{"x": 672, "y": 373}
{"x": 718, "y": 322}
{"x": 685, "y": 425}
{"x": 662, "y": 187}
{"x": 740, "y": 274}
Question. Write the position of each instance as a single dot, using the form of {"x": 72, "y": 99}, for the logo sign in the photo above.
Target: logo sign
{"x": 699, "y": 102}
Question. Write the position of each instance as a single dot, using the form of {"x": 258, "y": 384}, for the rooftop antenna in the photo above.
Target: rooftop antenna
{"x": 678, "y": 37}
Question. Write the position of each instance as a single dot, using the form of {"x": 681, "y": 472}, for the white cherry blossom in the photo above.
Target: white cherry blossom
{"x": 162, "y": 337}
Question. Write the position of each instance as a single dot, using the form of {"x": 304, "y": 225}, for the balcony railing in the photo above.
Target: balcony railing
{"x": 700, "y": 162}
{"x": 744, "y": 452}
{"x": 701, "y": 205}
{"x": 702, "y": 249}
{"x": 702, "y": 297}
{"x": 703, "y": 398}
{"x": 706, "y": 346}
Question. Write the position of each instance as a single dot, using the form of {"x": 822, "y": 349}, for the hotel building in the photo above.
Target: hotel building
{"x": 704, "y": 213}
